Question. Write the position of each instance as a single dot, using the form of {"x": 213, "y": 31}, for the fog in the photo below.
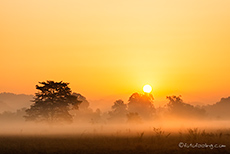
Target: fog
{"x": 135, "y": 116}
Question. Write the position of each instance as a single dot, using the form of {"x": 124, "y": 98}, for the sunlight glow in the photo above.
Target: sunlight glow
{"x": 147, "y": 88}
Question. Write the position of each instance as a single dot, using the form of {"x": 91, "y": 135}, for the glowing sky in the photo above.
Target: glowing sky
{"x": 112, "y": 48}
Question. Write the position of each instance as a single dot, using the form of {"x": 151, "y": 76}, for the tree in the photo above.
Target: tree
{"x": 178, "y": 108}
{"x": 119, "y": 111}
{"x": 141, "y": 104}
{"x": 219, "y": 110}
{"x": 52, "y": 103}
{"x": 84, "y": 103}
{"x": 84, "y": 114}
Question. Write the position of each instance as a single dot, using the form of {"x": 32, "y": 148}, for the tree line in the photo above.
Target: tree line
{"x": 55, "y": 102}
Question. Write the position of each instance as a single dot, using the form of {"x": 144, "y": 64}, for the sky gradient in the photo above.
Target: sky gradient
{"x": 110, "y": 49}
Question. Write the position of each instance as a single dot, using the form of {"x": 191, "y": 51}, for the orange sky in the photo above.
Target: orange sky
{"x": 110, "y": 49}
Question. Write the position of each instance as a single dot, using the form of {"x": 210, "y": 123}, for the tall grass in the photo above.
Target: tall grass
{"x": 156, "y": 141}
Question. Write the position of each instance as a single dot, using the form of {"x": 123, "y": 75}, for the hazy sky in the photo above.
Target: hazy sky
{"x": 110, "y": 49}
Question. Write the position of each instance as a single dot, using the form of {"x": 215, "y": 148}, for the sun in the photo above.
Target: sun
{"x": 147, "y": 88}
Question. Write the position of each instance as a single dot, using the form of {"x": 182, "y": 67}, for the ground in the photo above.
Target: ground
{"x": 157, "y": 142}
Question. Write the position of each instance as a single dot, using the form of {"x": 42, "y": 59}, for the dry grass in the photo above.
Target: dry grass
{"x": 155, "y": 142}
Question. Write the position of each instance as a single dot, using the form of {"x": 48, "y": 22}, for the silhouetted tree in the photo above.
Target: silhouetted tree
{"x": 84, "y": 103}
{"x": 85, "y": 114}
{"x": 219, "y": 110}
{"x": 52, "y": 103}
{"x": 142, "y": 104}
{"x": 119, "y": 111}
{"x": 177, "y": 107}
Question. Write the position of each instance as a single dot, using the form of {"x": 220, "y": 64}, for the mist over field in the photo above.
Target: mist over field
{"x": 134, "y": 116}
{"x": 135, "y": 126}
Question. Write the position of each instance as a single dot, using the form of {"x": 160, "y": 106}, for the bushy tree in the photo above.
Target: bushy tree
{"x": 84, "y": 103}
{"x": 219, "y": 110}
{"x": 178, "y": 108}
{"x": 85, "y": 114}
{"x": 52, "y": 103}
{"x": 119, "y": 111}
{"x": 142, "y": 104}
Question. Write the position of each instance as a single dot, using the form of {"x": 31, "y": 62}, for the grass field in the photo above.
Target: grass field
{"x": 155, "y": 142}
